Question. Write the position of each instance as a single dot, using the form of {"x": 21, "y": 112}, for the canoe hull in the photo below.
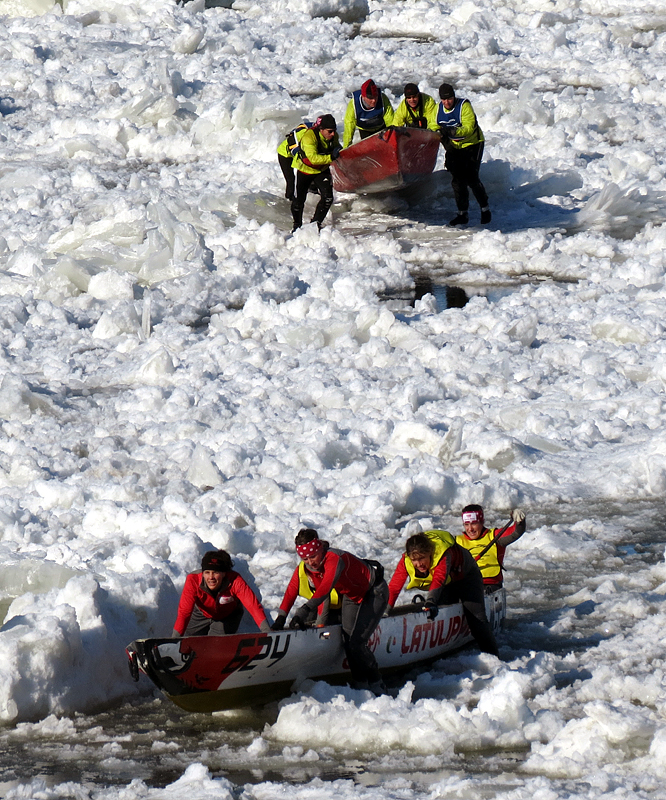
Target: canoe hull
{"x": 213, "y": 673}
{"x": 388, "y": 160}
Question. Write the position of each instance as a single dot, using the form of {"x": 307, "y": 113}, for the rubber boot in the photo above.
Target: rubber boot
{"x": 461, "y": 219}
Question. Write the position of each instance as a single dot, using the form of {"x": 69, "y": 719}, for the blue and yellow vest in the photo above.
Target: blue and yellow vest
{"x": 368, "y": 119}
{"x": 453, "y": 120}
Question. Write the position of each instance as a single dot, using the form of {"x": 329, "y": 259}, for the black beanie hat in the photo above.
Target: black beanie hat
{"x": 446, "y": 90}
{"x": 326, "y": 121}
{"x": 411, "y": 90}
{"x": 216, "y": 560}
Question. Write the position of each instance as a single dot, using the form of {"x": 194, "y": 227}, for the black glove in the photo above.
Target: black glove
{"x": 335, "y": 154}
{"x": 445, "y": 134}
{"x": 431, "y": 609}
{"x": 298, "y": 620}
{"x": 278, "y": 625}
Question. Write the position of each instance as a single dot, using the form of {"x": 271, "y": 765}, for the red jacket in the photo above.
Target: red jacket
{"x": 341, "y": 571}
{"x": 292, "y": 593}
{"x": 217, "y": 606}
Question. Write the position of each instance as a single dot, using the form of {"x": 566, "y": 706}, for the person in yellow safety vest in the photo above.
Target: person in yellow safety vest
{"x": 319, "y": 147}
{"x": 433, "y": 560}
{"x": 369, "y": 110}
{"x": 417, "y": 110}
{"x": 287, "y": 149}
{"x": 463, "y": 141}
{"x": 488, "y": 545}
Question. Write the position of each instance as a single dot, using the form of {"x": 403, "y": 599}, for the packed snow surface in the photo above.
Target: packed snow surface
{"x": 178, "y": 372}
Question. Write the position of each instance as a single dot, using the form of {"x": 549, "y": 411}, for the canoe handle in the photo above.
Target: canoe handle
{"x": 385, "y": 135}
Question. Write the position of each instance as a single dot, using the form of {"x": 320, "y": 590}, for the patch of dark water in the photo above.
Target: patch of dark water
{"x": 446, "y": 295}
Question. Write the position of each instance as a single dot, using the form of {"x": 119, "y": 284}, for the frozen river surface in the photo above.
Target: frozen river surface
{"x": 179, "y": 373}
{"x": 559, "y": 650}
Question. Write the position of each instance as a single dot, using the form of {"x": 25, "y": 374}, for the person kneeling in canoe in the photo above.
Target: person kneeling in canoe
{"x": 434, "y": 561}
{"x": 364, "y": 594}
{"x": 213, "y": 599}
{"x": 488, "y": 545}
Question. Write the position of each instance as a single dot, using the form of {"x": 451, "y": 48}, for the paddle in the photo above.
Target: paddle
{"x": 494, "y": 539}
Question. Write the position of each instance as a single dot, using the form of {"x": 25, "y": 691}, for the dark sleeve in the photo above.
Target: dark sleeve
{"x": 512, "y": 533}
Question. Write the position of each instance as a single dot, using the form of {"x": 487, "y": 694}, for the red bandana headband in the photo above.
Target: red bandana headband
{"x": 309, "y": 548}
{"x": 472, "y": 516}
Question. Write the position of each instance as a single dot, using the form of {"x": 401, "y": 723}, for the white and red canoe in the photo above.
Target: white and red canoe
{"x": 212, "y": 673}
{"x": 390, "y": 159}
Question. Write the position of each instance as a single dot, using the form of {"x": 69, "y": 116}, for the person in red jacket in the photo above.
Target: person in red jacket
{"x": 364, "y": 594}
{"x": 434, "y": 561}
{"x": 213, "y": 600}
{"x": 302, "y": 585}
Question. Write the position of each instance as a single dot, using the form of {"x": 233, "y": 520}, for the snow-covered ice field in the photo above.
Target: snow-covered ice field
{"x": 177, "y": 373}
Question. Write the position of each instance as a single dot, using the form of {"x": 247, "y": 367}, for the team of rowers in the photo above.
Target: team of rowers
{"x": 310, "y": 149}
{"x": 341, "y": 588}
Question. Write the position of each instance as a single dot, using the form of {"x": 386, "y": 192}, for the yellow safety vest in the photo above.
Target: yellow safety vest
{"x": 305, "y": 589}
{"x": 442, "y": 541}
{"x": 489, "y": 562}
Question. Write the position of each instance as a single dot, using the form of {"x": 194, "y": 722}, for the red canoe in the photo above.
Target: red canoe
{"x": 388, "y": 160}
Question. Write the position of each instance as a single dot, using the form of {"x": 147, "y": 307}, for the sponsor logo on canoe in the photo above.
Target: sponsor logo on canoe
{"x": 431, "y": 634}
{"x": 253, "y": 650}
{"x": 208, "y": 663}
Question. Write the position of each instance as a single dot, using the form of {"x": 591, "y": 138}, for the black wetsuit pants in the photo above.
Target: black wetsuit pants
{"x": 200, "y": 624}
{"x": 463, "y": 164}
{"x": 323, "y": 182}
{"x": 285, "y": 163}
{"x": 359, "y": 621}
{"x": 469, "y": 591}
